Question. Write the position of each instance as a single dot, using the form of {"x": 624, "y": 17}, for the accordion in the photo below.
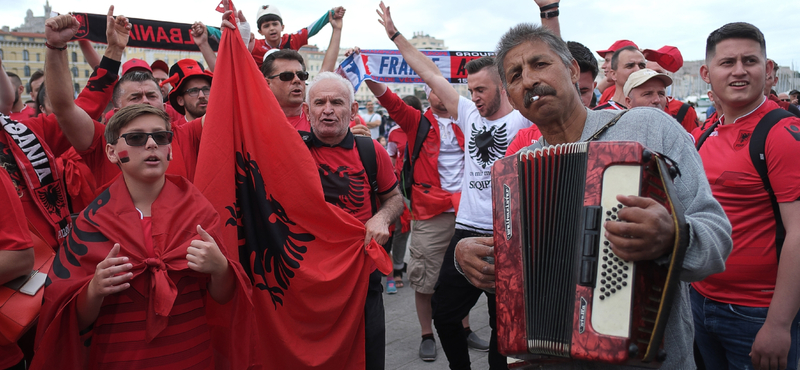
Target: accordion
{"x": 560, "y": 290}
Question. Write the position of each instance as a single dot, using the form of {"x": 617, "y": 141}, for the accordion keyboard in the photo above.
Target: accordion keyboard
{"x": 613, "y": 292}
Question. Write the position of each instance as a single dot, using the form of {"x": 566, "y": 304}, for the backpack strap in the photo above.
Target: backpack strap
{"x": 422, "y": 133}
{"x": 757, "y": 149}
{"x": 682, "y": 112}
{"x": 366, "y": 151}
{"x": 705, "y": 134}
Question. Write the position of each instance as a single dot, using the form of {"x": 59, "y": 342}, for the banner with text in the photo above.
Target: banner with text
{"x": 145, "y": 33}
{"x": 389, "y": 66}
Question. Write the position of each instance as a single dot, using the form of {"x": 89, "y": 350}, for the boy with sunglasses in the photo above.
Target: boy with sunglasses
{"x": 140, "y": 265}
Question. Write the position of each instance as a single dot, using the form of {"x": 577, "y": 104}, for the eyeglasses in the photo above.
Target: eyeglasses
{"x": 288, "y": 76}
{"x": 140, "y": 138}
{"x": 193, "y": 92}
{"x": 786, "y": 100}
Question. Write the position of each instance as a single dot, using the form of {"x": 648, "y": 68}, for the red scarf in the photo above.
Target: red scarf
{"x": 112, "y": 218}
{"x": 304, "y": 256}
{"x": 38, "y": 166}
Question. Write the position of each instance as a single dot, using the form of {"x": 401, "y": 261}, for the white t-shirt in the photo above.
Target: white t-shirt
{"x": 486, "y": 142}
{"x": 451, "y": 157}
{"x": 369, "y": 117}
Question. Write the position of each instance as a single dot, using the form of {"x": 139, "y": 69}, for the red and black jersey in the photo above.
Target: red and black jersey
{"x": 344, "y": 179}
{"x": 610, "y": 105}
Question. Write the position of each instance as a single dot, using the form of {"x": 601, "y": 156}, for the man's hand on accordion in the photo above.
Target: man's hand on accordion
{"x": 471, "y": 255}
{"x": 647, "y": 232}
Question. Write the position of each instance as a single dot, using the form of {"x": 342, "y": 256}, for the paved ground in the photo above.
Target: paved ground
{"x": 403, "y": 333}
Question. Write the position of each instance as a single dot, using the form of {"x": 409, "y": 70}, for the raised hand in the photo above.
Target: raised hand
{"x": 204, "y": 255}
{"x": 386, "y": 20}
{"x": 199, "y": 34}
{"x": 118, "y": 29}
{"x": 60, "y": 29}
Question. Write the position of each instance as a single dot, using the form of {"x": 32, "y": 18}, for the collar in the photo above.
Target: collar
{"x": 722, "y": 117}
{"x": 348, "y": 142}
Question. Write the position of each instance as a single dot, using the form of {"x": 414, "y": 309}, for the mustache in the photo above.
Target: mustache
{"x": 538, "y": 90}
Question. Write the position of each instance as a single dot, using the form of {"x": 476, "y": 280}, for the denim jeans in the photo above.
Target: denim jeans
{"x": 725, "y": 332}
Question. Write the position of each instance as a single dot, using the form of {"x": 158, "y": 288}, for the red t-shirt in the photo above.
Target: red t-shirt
{"x": 751, "y": 268}
{"x": 292, "y": 41}
{"x": 689, "y": 122}
{"x": 300, "y": 123}
{"x": 607, "y": 94}
{"x": 344, "y": 179}
{"x": 14, "y": 236}
{"x": 398, "y": 139}
{"x": 524, "y": 138}
{"x": 185, "y": 146}
{"x": 25, "y": 113}
{"x": 610, "y": 105}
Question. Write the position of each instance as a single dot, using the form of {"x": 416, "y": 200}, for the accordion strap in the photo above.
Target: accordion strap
{"x": 606, "y": 126}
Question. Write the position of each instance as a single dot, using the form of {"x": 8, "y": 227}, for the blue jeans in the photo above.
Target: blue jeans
{"x": 725, "y": 332}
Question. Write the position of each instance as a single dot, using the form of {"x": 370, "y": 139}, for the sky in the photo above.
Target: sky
{"x": 470, "y": 25}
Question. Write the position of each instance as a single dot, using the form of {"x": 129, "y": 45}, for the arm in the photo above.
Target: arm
{"x": 111, "y": 276}
{"x": 421, "y": 64}
{"x": 550, "y": 23}
{"x": 773, "y": 341}
{"x": 6, "y": 91}
{"x": 329, "y": 63}
{"x": 200, "y": 37}
{"x": 14, "y": 264}
{"x": 89, "y": 53}
{"x": 378, "y": 226}
{"x": 205, "y": 256}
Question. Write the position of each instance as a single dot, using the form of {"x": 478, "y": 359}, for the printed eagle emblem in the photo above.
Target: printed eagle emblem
{"x": 52, "y": 198}
{"x": 488, "y": 144}
{"x": 343, "y": 189}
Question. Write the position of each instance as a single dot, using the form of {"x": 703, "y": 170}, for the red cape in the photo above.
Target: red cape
{"x": 112, "y": 218}
{"x": 304, "y": 256}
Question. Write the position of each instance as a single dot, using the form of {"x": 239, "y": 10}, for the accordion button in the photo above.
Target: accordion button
{"x": 602, "y": 297}
{"x": 605, "y": 266}
{"x": 619, "y": 287}
{"x": 602, "y": 289}
{"x": 625, "y": 268}
{"x": 605, "y": 258}
{"x": 625, "y": 276}
{"x": 616, "y": 259}
{"x": 608, "y": 294}
{"x": 608, "y": 285}
{"x": 614, "y": 275}
{"x": 603, "y": 281}
{"x": 613, "y": 217}
{"x": 619, "y": 279}
{"x": 603, "y": 274}
{"x": 608, "y": 213}
{"x": 613, "y": 209}
{"x": 624, "y": 283}
{"x": 613, "y": 290}
{"x": 620, "y": 206}
{"x": 606, "y": 243}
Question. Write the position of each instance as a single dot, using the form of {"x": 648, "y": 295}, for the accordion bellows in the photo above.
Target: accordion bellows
{"x": 561, "y": 292}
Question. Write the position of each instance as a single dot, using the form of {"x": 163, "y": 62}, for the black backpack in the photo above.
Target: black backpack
{"x": 366, "y": 151}
{"x": 407, "y": 174}
{"x": 758, "y": 142}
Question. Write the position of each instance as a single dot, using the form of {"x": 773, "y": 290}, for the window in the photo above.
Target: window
{"x": 74, "y": 58}
{"x": 77, "y": 88}
{"x": 38, "y": 57}
{"x": 25, "y": 55}
{"x": 27, "y": 71}
{"x": 1, "y": 53}
{"x": 74, "y": 71}
{"x": 85, "y": 73}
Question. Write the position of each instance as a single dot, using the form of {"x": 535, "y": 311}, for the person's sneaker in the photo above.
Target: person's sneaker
{"x": 476, "y": 342}
{"x": 390, "y": 287}
{"x": 427, "y": 350}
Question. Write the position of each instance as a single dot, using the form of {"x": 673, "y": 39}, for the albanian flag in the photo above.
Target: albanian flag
{"x": 305, "y": 257}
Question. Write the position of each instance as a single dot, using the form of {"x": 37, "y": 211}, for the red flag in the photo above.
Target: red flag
{"x": 305, "y": 257}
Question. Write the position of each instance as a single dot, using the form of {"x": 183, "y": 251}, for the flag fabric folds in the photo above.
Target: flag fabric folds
{"x": 304, "y": 257}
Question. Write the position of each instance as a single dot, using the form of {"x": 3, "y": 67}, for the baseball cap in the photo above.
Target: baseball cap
{"x": 160, "y": 65}
{"x": 619, "y": 44}
{"x": 180, "y": 73}
{"x": 668, "y": 57}
{"x": 641, "y": 76}
{"x": 268, "y": 10}
{"x": 135, "y": 64}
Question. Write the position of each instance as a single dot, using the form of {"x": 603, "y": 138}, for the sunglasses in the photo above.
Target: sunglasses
{"x": 193, "y": 92}
{"x": 288, "y": 76}
{"x": 140, "y": 138}
{"x": 786, "y": 100}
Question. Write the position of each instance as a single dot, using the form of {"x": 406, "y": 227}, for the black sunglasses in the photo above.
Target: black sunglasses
{"x": 140, "y": 138}
{"x": 288, "y": 76}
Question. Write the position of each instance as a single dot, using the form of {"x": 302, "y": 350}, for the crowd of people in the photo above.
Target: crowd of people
{"x": 139, "y": 276}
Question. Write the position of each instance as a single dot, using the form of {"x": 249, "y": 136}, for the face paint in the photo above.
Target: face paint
{"x": 123, "y": 156}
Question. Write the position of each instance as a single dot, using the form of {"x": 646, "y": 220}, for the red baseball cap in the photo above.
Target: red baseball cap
{"x": 619, "y": 44}
{"x": 135, "y": 64}
{"x": 668, "y": 57}
{"x": 160, "y": 65}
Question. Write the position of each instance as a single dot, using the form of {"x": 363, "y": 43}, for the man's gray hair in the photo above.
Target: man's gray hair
{"x": 332, "y": 76}
{"x": 528, "y": 32}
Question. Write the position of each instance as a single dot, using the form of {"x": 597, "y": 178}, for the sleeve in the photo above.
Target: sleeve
{"x": 95, "y": 157}
{"x": 405, "y": 116}
{"x": 710, "y": 240}
{"x": 315, "y": 27}
{"x": 391, "y": 148}
{"x": 387, "y": 181}
{"x": 14, "y": 235}
{"x": 782, "y": 150}
{"x": 94, "y": 98}
{"x": 48, "y": 129}
{"x": 465, "y": 108}
{"x": 689, "y": 122}
{"x": 517, "y": 144}
{"x": 297, "y": 39}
